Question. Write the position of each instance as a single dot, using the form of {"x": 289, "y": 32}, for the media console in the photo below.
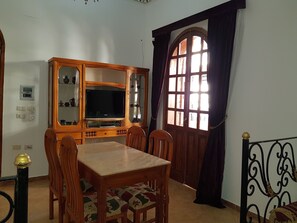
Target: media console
{"x": 95, "y": 100}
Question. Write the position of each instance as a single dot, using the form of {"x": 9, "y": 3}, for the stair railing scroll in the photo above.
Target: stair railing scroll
{"x": 18, "y": 205}
{"x": 258, "y": 161}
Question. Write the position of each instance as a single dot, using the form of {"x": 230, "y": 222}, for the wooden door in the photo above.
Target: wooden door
{"x": 186, "y": 104}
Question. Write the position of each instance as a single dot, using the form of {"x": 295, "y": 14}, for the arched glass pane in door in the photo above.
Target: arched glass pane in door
{"x": 187, "y": 92}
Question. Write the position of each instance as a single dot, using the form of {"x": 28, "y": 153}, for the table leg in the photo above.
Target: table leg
{"x": 166, "y": 212}
{"x": 101, "y": 205}
{"x": 160, "y": 202}
{"x": 164, "y": 198}
{"x": 166, "y": 195}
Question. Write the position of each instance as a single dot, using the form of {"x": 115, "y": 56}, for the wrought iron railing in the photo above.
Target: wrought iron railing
{"x": 268, "y": 172}
{"x": 18, "y": 205}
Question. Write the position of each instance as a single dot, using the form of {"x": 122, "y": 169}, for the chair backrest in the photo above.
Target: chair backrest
{"x": 136, "y": 138}
{"x": 74, "y": 206}
{"x": 55, "y": 172}
{"x": 161, "y": 144}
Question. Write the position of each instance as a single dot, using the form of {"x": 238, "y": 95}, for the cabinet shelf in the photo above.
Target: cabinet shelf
{"x": 104, "y": 119}
{"x": 104, "y": 84}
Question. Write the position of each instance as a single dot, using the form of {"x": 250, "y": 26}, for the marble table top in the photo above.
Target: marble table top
{"x": 108, "y": 158}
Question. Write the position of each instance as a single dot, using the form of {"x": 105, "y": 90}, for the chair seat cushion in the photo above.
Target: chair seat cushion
{"x": 115, "y": 206}
{"x": 138, "y": 196}
{"x": 286, "y": 213}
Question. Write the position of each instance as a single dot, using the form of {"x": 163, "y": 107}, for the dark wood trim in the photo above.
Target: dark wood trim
{"x": 2, "y": 58}
{"x": 225, "y": 7}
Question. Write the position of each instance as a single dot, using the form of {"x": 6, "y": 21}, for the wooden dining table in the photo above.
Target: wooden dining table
{"x": 108, "y": 165}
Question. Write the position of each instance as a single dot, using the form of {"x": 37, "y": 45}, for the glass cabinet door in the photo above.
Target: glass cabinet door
{"x": 137, "y": 98}
{"x": 68, "y": 96}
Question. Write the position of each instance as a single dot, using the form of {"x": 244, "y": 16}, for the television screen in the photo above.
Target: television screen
{"x": 105, "y": 103}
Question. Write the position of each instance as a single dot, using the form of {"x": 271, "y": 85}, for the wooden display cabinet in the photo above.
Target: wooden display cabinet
{"x": 71, "y": 80}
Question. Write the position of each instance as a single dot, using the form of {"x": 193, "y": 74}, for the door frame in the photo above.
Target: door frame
{"x": 185, "y": 132}
{"x": 2, "y": 58}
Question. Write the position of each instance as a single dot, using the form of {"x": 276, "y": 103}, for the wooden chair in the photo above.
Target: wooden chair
{"x": 81, "y": 207}
{"x": 141, "y": 197}
{"x": 136, "y": 138}
{"x": 56, "y": 182}
{"x": 55, "y": 174}
{"x": 161, "y": 144}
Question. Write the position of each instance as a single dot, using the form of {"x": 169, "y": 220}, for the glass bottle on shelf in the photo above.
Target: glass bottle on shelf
{"x": 68, "y": 95}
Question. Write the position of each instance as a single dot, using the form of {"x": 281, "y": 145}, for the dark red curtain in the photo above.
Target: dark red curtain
{"x": 159, "y": 67}
{"x": 221, "y": 30}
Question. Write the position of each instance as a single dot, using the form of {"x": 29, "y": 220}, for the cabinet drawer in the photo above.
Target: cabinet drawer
{"x": 105, "y": 133}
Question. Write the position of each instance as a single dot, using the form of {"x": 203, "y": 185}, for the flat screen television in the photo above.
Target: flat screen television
{"x": 105, "y": 103}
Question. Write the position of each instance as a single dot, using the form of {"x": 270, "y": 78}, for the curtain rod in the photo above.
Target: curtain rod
{"x": 206, "y": 14}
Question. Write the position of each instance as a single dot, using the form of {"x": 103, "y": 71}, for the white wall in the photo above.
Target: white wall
{"x": 262, "y": 96}
{"x": 112, "y": 31}
{"x": 107, "y": 31}
{"x": 17, "y": 131}
{"x": 35, "y": 30}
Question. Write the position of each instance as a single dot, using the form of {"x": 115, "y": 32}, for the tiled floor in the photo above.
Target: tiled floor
{"x": 181, "y": 206}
